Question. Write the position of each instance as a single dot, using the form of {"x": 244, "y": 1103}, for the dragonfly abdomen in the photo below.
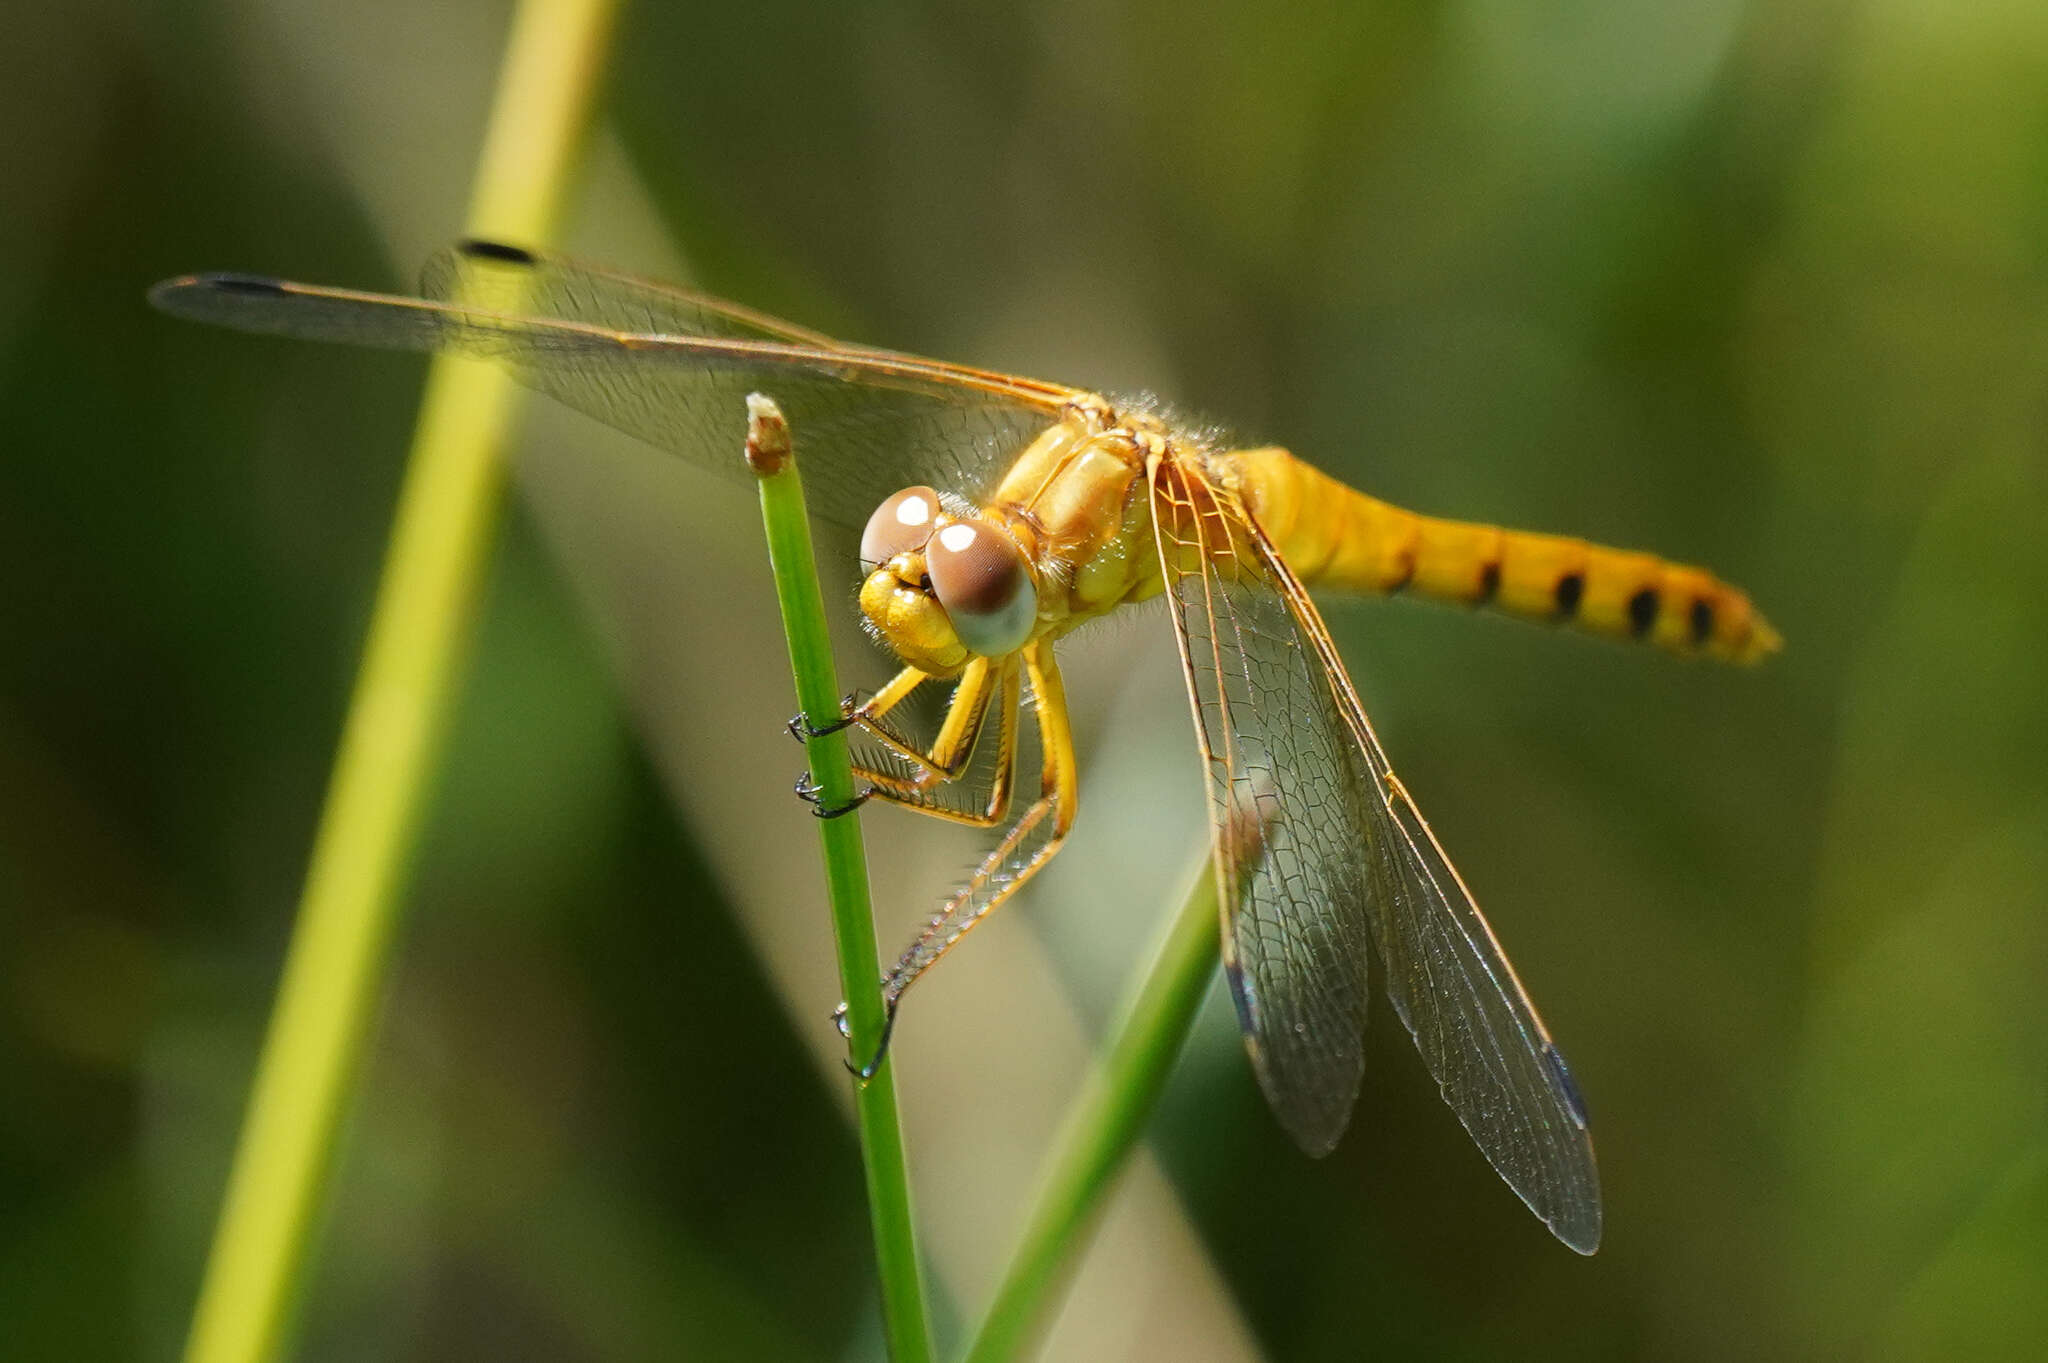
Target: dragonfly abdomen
{"x": 1336, "y": 537}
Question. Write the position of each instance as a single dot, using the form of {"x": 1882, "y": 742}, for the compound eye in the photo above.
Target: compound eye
{"x": 899, "y": 525}
{"x": 979, "y": 576}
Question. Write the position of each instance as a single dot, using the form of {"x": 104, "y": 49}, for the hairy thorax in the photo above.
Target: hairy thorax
{"x": 1079, "y": 493}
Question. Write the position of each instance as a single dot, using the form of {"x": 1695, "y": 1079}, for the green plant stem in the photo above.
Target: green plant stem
{"x": 846, "y": 877}
{"x": 1104, "y": 1124}
{"x": 337, "y": 964}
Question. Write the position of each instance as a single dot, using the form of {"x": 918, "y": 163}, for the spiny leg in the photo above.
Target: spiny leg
{"x": 855, "y": 711}
{"x": 920, "y": 792}
{"x": 852, "y": 711}
{"x": 947, "y": 755}
{"x": 1028, "y": 844}
{"x": 924, "y": 791}
{"x": 932, "y": 770}
{"x": 808, "y": 790}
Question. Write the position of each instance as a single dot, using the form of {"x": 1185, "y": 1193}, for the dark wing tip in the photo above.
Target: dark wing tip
{"x": 1577, "y": 1226}
{"x": 249, "y": 284}
{"x": 1314, "y": 1121}
{"x": 503, "y": 252}
{"x": 1569, "y": 1086}
{"x": 168, "y": 293}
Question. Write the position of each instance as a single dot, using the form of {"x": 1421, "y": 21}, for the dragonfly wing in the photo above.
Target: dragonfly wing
{"x": 1287, "y": 803}
{"x": 513, "y": 279}
{"x": 1280, "y": 723}
{"x": 867, "y": 423}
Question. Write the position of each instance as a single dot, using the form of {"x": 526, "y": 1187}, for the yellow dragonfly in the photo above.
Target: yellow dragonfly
{"x": 997, "y": 514}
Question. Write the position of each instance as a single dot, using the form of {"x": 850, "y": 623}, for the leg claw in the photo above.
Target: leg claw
{"x": 801, "y": 728}
{"x": 863, "y": 1073}
{"x": 807, "y": 791}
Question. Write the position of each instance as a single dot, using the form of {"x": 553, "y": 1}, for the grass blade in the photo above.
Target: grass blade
{"x": 336, "y": 967}
{"x": 770, "y": 453}
{"x": 1104, "y": 1124}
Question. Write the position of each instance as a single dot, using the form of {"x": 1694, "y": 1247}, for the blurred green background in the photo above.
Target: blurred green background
{"x": 1761, "y": 286}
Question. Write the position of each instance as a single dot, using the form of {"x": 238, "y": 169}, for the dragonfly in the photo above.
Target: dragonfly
{"x": 997, "y": 514}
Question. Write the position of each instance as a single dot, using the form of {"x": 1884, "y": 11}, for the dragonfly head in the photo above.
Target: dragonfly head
{"x": 941, "y": 588}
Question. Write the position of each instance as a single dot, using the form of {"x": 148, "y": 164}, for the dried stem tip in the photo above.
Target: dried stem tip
{"x": 768, "y": 447}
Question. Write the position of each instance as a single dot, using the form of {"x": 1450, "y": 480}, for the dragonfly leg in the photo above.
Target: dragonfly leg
{"x": 874, "y": 1063}
{"x": 947, "y": 755}
{"x": 853, "y": 710}
{"x": 800, "y": 727}
{"x": 807, "y": 791}
{"x": 925, "y": 792}
{"x": 1028, "y": 844}
{"x": 932, "y": 771}
{"x": 866, "y": 715}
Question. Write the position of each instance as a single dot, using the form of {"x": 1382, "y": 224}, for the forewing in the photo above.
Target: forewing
{"x": 527, "y": 283}
{"x": 866, "y": 423}
{"x": 1369, "y": 865}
